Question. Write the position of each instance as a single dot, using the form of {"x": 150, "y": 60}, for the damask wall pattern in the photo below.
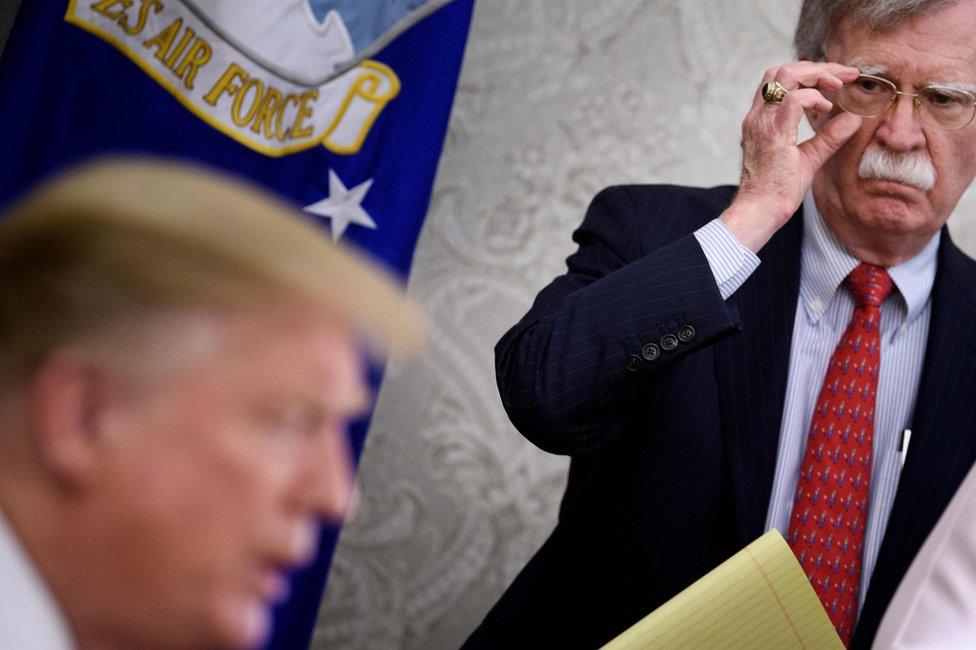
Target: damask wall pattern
{"x": 557, "y": 99}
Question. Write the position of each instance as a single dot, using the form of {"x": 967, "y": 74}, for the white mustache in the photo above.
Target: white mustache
{"x": 913, "y": 168}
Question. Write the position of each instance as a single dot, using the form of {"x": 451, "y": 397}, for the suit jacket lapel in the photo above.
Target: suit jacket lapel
{"x": 943, "y": 443}
{"x": 752, "y": 371}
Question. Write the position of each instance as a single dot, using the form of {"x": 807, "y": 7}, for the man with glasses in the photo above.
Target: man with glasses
{"x": 794, "y": 353}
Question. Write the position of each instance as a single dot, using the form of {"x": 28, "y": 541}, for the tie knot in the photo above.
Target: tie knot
{"x": 870, "y": 285}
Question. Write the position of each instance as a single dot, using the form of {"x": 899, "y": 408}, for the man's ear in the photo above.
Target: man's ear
{"x": 64, "y": 408}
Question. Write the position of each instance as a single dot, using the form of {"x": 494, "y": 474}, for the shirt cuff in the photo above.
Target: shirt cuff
{"x": 731, "y": 262}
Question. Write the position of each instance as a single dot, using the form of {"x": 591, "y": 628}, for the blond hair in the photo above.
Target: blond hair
{"x": 129, "y": 235}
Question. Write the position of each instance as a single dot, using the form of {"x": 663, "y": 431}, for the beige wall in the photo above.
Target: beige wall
{"x": 558, "y": 98}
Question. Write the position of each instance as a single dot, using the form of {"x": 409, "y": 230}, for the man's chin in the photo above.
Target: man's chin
{"x": 889, "y": 206}
{"x": 243, "y": 622}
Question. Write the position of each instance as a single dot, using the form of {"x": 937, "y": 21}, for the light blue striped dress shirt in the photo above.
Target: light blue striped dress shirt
{"x": 823, "y": 312}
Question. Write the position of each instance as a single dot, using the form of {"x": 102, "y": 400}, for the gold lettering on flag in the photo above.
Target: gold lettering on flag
{"x": 224, "y": 83}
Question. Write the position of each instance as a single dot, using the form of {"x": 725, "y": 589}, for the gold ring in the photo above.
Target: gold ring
{"x": 774, "y": 92}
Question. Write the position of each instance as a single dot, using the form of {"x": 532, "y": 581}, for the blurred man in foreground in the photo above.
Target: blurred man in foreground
{"x": 178, "y": 359}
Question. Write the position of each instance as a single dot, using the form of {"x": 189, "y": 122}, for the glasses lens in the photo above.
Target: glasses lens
{"x": 947, "y": 108}
{"x": 865, "y": 96}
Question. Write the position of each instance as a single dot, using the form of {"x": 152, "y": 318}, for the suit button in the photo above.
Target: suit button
{"x": 686, "y": 334}
{"x": 634, "y": 363}
{"x": 669, "y": 342}
{"x": 651, "y": 352}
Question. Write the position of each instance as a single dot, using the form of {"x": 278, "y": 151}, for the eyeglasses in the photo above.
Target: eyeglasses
{"x": 940, "y": 106}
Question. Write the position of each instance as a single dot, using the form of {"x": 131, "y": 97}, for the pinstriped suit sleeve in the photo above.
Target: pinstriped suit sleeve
{"x": 567, "y": 372}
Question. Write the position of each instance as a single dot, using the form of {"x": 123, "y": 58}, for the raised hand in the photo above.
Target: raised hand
{"x": 776, "y": 170}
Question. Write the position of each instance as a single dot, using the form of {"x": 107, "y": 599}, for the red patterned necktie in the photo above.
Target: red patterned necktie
{"x": 832, "y": 494}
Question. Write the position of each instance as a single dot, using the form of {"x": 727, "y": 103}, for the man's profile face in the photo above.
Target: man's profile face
{"x": 933, "y": 48}
{"x": 217, "y": 477}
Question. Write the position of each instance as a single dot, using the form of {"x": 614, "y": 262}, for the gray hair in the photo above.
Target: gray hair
{"x": 819, "y": 17}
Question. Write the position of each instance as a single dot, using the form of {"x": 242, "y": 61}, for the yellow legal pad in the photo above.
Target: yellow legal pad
{"x": 758, "y": 598}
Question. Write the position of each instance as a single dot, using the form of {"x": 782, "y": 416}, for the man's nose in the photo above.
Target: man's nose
{"x": 328, "y": 476}
{"x": 900, "y": 128}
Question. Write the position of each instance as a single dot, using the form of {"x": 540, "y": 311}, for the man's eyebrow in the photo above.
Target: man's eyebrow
{"x": 955, "y": 85}
{"x": 351, "y": 406}
{"x": 882, "y": 71}
{"x": 867, "y": 68}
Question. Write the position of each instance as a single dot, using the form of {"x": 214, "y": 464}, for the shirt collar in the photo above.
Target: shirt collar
{"x": 915, "y": 277}
{"x": 29, "y": 616}
{"x": 825, "y": 263}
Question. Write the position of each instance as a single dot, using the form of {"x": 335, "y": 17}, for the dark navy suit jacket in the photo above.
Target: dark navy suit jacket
{"x": 673, "y": 452}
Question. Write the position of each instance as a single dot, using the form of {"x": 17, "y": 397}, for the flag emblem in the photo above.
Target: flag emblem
{"x": 266, "y": 73}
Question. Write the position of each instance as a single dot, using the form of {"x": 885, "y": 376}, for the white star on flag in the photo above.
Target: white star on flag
{"x": 343, "y": 206}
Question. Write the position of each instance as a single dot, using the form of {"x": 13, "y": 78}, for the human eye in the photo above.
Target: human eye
{"x": 946, "y": 98}
{"x": 295, "y": 421}
{"x": 869, "y": 86}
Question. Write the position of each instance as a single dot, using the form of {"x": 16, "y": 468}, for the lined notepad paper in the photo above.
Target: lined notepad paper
{"x": 759, "y": 598}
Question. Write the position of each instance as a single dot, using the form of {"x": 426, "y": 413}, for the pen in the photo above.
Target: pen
{"x": 906, "y": 437}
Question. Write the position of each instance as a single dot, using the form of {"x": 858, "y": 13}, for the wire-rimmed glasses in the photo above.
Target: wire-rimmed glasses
{"x": 943, "y": 106}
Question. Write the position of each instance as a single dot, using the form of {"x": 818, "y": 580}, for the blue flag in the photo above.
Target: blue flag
{"x": 338, "y": 106}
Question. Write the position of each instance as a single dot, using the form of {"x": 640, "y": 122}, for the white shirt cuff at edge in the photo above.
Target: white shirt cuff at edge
{"x": 730, "y": 261}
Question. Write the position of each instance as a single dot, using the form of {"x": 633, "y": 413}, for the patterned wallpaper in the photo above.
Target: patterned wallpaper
{"x": 558, "y": 98}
